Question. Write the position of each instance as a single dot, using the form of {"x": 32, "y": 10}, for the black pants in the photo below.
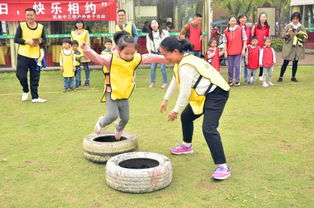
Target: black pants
{"x": 284, "y": 67}
{"x": 23, "y": 64}
{"x": 213, "y": 108}
{"x": 260, "y": 71}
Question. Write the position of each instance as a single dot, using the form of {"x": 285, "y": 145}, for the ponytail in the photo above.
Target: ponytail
{"x": 172, "y": 43}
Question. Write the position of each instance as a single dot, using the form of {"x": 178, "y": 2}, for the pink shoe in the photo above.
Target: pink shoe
{"x": 182, "y": 149}
{"x": 98, "y": 129}
{"x": 221, "y": 173}
{"x": 270, "y": 84}
{"x": 118, "y": 134}
{"x": 265, "y": 84}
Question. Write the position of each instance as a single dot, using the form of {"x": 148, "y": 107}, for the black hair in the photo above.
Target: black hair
{"x": 75, "y": 42}
{"x": 232, "y": 16}
{"x": 259, "y": 25}
{"x": 198, "y": 15}
{"x": 266, "y": 38}
{"x": 150, "y": 32}
{"x": 211, "y": 40}
{"x": 122, "y": 39}
{"x": 241, "y": 16}
{"x": 172, "y": 43}
{"x": 67, "y": 41}
{"x": 118, "y": 35}
{"x": 30, "y": 10}
{"x": 78, "y": 21}
{"x": 121, "y": 10}
{"x": 254, "y": 37}
{"x": 296, "y": 15}
{"x": 107, "y": 40}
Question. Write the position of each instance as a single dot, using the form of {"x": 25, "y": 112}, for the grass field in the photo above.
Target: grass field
{"x": 267, "y": 136}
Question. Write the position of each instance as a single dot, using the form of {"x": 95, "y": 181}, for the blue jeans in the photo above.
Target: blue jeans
{"x": 68, "y": 82}
{"x": 153, "y": 72}
{"x": 87, "y": 72}
{"x": 77, "y": 76}
{"x": 195, "y": 53}
{"x": 245, "y": 71}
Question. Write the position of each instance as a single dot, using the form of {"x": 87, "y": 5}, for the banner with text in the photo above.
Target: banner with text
{"x": 59, "y": 10}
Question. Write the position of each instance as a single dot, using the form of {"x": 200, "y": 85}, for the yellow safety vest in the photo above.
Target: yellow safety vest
{"x": 29, "y": 34}
{"x": 128, "y": 28}
{"x": 81, "y": 38}
{"x": 121, "y": 76}
{"x": 77, "y": 56}
{"x": 206, "y": 71}
{"x": 67, "y": 61}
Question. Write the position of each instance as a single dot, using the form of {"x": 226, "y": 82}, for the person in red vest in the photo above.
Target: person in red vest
{"x": 213, "y": 54}
{"x": 235, "y": 44}
{"x": 261, "y": 30}
{"x": 267, "y": 60}
{"x": 192, "y": 32}
{"x": 252, "y": 60}
{"x": 242, "y": 20}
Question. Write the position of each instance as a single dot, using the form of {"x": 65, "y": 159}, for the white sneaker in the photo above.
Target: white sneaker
{"x": 152, "y": 84}
{"x": 164, "y": 85}
{"x": 38, "y": 100}
{"x": 25, "y": 96}
{"x": 98, "y": 129}
{"x": 261, "y": 78}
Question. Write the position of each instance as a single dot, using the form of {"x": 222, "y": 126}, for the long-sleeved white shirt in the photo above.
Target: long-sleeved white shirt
{"x": 66, "y": 52}
{"x": 188, "y": 76}
{"x": 262, "y": 54}
{"x": 153, "y": 45}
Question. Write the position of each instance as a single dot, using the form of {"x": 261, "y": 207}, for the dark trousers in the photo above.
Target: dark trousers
{"x": 284, "y": 67}
{"x": 260, "y": 71}
{"x": 23, "y": 64}
{"x": 213, "y": 108}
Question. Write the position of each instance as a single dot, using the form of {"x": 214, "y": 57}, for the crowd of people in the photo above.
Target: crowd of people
{"x": 202, "y": 89}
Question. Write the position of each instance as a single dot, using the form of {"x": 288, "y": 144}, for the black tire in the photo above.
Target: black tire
{"x": 149, "y": 172}
{"x": 99, "y": 148}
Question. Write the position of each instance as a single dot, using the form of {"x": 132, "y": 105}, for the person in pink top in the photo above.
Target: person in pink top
{"x": 261, "y": 30}
{"x": 242, "y": 20}
{"x": 121, "y": 66}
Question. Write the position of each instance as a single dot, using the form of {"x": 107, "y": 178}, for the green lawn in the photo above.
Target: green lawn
{"x": 267, "y": 136}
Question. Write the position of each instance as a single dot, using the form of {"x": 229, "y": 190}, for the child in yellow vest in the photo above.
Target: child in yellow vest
{"x": 121, "y": 65}
{"x": 78, "y": 59}
{"x": 67, "y": 64}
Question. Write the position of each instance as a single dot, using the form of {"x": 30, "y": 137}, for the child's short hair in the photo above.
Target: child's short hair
{"x": 118, "y": 35}
{"x": 211, "y": 40}
{"x": 75, "y": 42}
{"x": 122, "y": 39}
{"x": 67, "y": 41}
{"x": 254, "y": 37}
{"x": 267, "y": 38}
{"x": 107, "y": 40}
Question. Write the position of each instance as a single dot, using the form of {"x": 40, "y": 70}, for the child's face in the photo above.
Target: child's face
{"x": 267, "y": 43}
{"x": 108, "y": 45}
{"x": 74, "y": 47}
{"x": 213, "y": 44}
{"x": 295, "y": 20}
{"x": 243, "y": 20}
{"x": 233, "y": 22}
{"x": 254, "y": 42}
{"x": 66, "y": 45}
{"x": 127, "y": 53}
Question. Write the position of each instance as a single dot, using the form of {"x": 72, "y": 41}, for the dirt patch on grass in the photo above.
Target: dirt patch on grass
{"x": 206, "y": 185}
{"x": 96, "y": 205}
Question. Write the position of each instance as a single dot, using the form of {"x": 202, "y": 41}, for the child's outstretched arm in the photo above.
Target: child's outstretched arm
{"x": 95, "y": 57}
{"x": 153, "y": 58}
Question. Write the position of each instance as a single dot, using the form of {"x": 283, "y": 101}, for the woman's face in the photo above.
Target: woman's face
{"x": 79, "y": 25}
{"x": 243, "y": 20}
{"x": 173, "y": 57}
{"x": 233, "y": 22}
{"x": 263, "y": 18}
{"x": 295, "y": 20}
{"x": 154, "y": 24}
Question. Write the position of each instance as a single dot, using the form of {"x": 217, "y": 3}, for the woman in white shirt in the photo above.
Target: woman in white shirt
{"x": 153, "y": 40}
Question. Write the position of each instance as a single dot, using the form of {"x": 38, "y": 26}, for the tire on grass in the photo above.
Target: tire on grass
{"x": 138, "y": 172}
{"x": 99, "y": 148}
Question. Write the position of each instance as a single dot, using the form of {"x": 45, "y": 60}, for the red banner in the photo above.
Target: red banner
{"x": 59, "y": 10}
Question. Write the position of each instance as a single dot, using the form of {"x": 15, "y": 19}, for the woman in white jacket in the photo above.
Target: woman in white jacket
{"x": 153, "y": 40}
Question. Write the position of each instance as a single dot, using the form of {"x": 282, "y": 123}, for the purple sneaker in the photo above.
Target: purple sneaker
{"x": 182, "y": 149}
{"x": 221, "y": 173}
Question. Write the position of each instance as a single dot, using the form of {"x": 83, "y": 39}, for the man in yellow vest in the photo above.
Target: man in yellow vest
{"x": 29, "y": 35}
{"x": 126, "y": 26}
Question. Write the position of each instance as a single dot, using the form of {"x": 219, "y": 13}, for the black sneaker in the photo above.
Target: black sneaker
{"x": 237, "y": 84}
{"x": 86, "y": 83}
{"x": 230, "y": 83}
{"x": 279, "y": 79}
{"x": 293, "y": 79}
